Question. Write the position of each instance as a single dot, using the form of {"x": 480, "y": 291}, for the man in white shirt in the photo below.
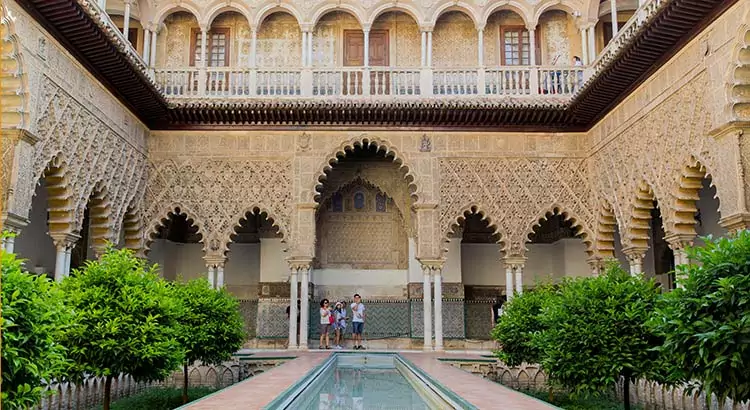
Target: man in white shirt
{"x": 358, "y": 321}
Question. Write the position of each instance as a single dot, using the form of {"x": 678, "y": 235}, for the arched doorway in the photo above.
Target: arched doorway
{"x": 176, "y": 247}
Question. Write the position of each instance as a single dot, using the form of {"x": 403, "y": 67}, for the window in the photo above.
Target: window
{"x": 217, "y": 48}
{"x": 337, "y": 203}
{"x": 514, "y": 41}
{"x": 132, "y": 36}
{"x": 359, "y": 200}
{"x": 380, "y": 200}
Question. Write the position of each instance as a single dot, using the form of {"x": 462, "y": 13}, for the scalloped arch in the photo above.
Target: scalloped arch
{"x": 582, "y": 231}
{"x": 60, "y": 206}
{"x": 472, "y": 208}
{"x": 255, "y": 210}
{"x": 152, "y": 228}
{"x": 14, "y": 93}
{"x": 686, "y": 196}
{"x": 100, "y": 216}
{"x": 381, "y": 145}
{"x": 606, "y": 226}
{"x": 738, "y": 84}
{"x": 639, "y": 226}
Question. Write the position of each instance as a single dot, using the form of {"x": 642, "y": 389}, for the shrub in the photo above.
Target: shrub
{"x": 211, "y": 328}
{"x": 596, "y": 332}
{"x": 519, "y": 324}
{"x": 126, "y": 320}
{"x": 34, "y": 317}
{"x": 706, "y": 324}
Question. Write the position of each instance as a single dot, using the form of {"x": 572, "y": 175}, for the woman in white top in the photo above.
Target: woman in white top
{"x": 325, "y": 323}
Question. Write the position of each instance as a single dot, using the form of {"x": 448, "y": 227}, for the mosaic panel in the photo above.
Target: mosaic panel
{"x": 272, "y": 321}
{"x": 453, "y": 319}
{"x": 385, "y": 319}
{"x": 249, "y": 313}
{"x": 478, "y": 320}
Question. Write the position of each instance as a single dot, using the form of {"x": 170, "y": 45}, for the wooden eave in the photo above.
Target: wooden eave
{"x": 675, "y": 25}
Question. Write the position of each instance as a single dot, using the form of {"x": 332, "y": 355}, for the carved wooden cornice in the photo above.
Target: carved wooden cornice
{"x": 638, "y": 52}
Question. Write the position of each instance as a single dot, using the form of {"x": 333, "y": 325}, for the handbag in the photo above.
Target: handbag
{"x": 330, "y": 318}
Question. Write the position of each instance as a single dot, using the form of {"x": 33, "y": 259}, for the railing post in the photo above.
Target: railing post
{"x": 481, "y": 89}
{"x": 252, "y": 82}
{"x": 366, "y": 81}
{"x": 534, "y": 80}
{"x": 202, "y": 81}
{"x": 306, "y": 82}
{"x": 425, "y": 81}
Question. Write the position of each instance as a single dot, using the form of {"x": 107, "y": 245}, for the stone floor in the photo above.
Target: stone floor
{"x": 256, "y": 392}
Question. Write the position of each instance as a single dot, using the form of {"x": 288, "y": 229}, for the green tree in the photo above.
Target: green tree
{"x": 211, "y": 328}
{"x": 519, "y": 324}
{"x": 596, "y": 332}
{"x": 126, "y": 320}
{"x": 34, "y": 317}
{"x": 706, "y": 323}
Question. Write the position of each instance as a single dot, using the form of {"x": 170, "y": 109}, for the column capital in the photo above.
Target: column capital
{"x": 299, "y": 264}
{"x": 20, "y": 135}
{"x": 129, "y": 2}
{"x": 635, "y": 253}
{"x": 678, "y": 241}
{"x": 480, "y": 27}
{"x": 67, "y": 240}
{"x": 736, "y": 222}
{"x": 215, "y": 261}
{"x": 433, "y": 266}
{"x": 13, "y": 222}
{"x": 531, "y": 26}
{"x": 153, "y": 27}
{"x": 427, "y": 28}
{"x": 307, "y": 27}
{"x": 515, "y": 262}
{"x": 424, "y": 206}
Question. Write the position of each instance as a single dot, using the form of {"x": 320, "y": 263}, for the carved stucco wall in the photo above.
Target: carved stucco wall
{"x": 279, "y": 42}
{"x": 454, "y": 41}
{"x": 667, "y": 124}
{"x": 79, "y": 124}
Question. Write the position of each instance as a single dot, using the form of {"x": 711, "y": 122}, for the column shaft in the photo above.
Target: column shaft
{"x": 613, "y": 12}
{"x": 480, "y": 51}
{"x": 304, "y": 307}
{"x": 219, "y": 276}
{"x": 68, "y": 250}
{"x": 10, "y": 243}
{"x": 204, "y": 45}
{"x": 293, "y": 297}
{"x": 254, "y": 52}
{"x": 519, "y": 279}
{"x": 126, "y": 21}
{"x": 153, "y": 48}
{"x": 147, "y": 46}
{"x": 424, "y": 49}
{"x": 304, "y": 49}
{"x": 508, "y": 283}
{"x": 438, "y": 310}
{"x": 60, "y": 263}
{"x": 367, "y": 48}
{"x": 429, "y": 49}
{"x": 210, "y": 276}
{"x": 532, "y": 46}
{"x": 584, "y": 46}
{"x": 427, "y": 303}
{"x": 592, "y": 43}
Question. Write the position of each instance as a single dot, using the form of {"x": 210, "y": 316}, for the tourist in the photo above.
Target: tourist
{"x": 339, "y": 325}
{"x": 358, "y": 321}
{"x": 325, "y": 323}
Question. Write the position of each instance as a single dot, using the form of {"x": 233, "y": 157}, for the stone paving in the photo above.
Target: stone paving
{"x": 258, "y": 391}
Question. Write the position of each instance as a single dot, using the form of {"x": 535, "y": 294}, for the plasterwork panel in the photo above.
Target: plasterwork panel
{"x": 174, "y": 44}
{"x": 454, "y": 41}
{"x": 217, "y": 192}
{"x": 513, "y": 193}
{"x": 279, "y": 42}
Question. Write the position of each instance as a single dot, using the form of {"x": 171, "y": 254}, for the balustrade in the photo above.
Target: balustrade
{"x": 231, "y": 82}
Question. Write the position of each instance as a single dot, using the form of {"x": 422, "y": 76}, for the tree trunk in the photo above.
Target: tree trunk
{"x": 626, "y": 391}
{"x": 185, "y": 383}
{"x": 107, "y": 392}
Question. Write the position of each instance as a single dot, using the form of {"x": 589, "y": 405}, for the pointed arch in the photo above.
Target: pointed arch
{"x": 160, "y": 221}
{"x": 253, "y": 210}
{"x": 14, "y": 91}
{"x": 606, "y": 226}
{"x": 581, "y": 231}
{"x": 738, "y": 84}
{"x": 472, "y": 208}
{"x": 454, "y": 5}
{"x": 381, "y": 145}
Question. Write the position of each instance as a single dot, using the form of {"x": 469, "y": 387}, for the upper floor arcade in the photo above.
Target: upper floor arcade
{"x": 236, "y": 49}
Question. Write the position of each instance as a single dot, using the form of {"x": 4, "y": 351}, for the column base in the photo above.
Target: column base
{"x": 427, "y": 348}
{"x": 303, "y": 347}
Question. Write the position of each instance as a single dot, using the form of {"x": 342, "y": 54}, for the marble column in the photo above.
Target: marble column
{"x": 304, "y": 273}
{"x": 532, "y": 44}
{"x": 678, "y": 243}
{"x": 126, "y": 20}
{"x": 480, "y": 44}
{"x": 211, "y": 275}
{"x": 429, "y": 49}
{"x": 508, "y": 283}
{"x": 293, "y": 297}
{"x": 219, "y": 276}
{"x": 147, "y": 47}
{"x": 427, "y": 303}
{"x": 613, "y": 12}
{"x": 64, "y": 243}
{"x": 424, "y": 49}
{"x": 584, "y": 46}
{"x": 519, "y": 279}
{"x": 635, "y": 259}
{"x": 153, "y": 47}
{"x": 304, "y": 48}
{"x": 592, "y": 43}
{"x": 438, "y": 273}
{"x": 60, "y": 261}
{"x": 367, "y": 48}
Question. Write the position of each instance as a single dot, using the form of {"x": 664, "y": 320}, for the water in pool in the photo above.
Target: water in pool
{"x": 362, "y": 382}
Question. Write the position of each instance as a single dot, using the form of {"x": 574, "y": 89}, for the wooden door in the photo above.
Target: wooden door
{"x": 380, "y": 80}
{"x": 354, "y": 56}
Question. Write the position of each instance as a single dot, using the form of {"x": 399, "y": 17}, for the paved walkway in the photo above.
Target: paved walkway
{"x": 258, "y": 391}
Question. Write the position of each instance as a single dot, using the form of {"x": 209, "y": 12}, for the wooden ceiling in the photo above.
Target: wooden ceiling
{"x": 653, "y": 45}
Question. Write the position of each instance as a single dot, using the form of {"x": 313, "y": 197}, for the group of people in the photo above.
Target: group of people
{"x": 336, "y": 317}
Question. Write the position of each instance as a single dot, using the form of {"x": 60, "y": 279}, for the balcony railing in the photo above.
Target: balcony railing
{"x": 230, "y": 82}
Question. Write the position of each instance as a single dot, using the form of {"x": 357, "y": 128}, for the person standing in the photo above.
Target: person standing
{"x": 358, "y": 321}
{"x": 325, "y": 323}
{"x": 339, "y": 325}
